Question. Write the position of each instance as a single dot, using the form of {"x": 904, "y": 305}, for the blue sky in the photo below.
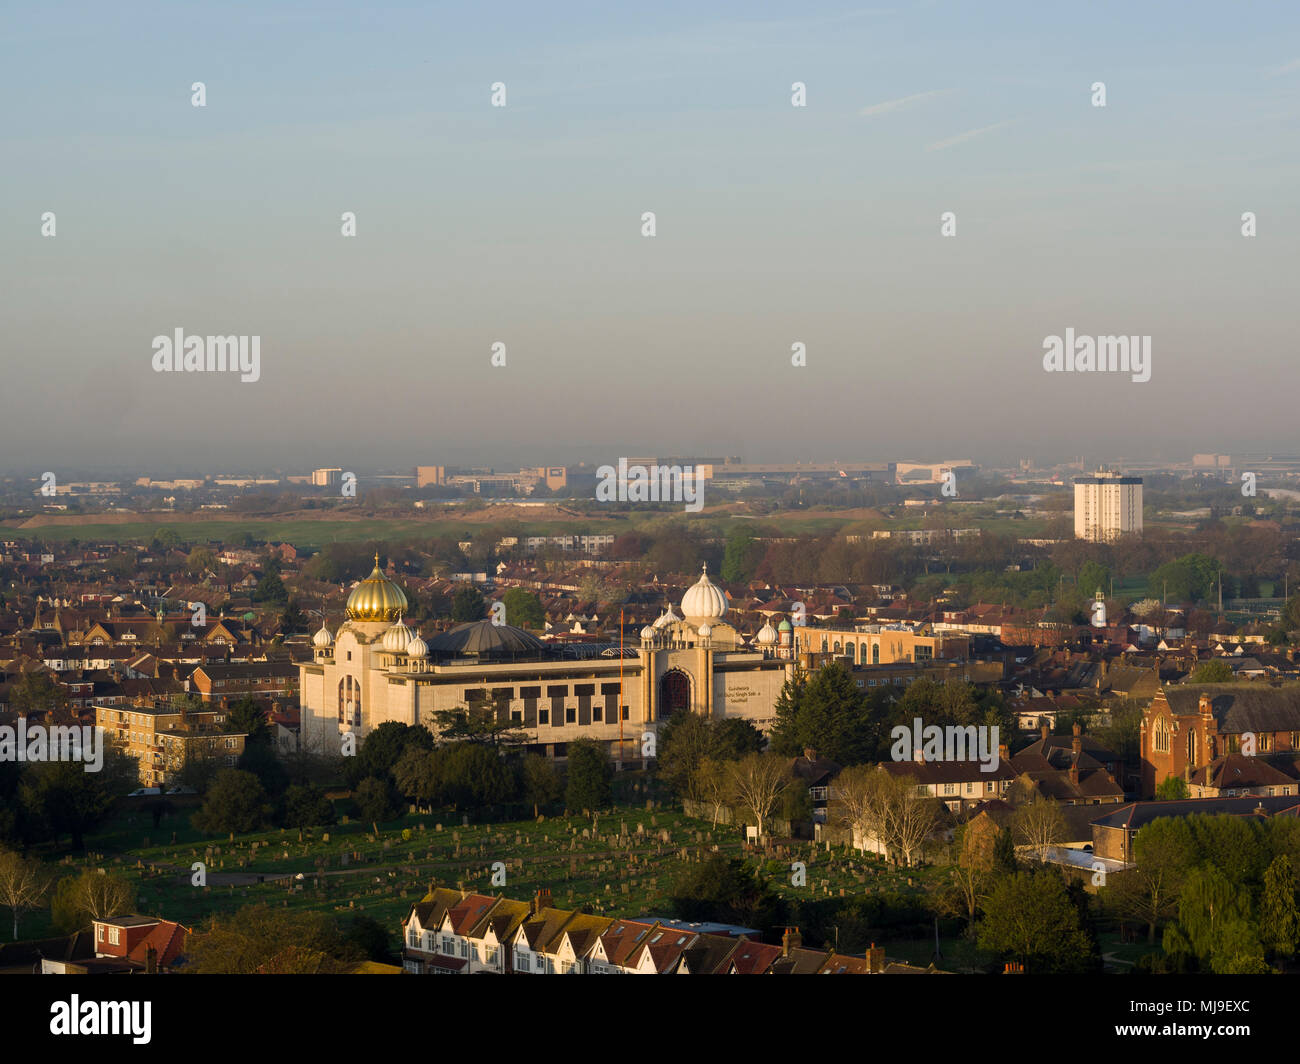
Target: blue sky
{"x": 521, "y": 224}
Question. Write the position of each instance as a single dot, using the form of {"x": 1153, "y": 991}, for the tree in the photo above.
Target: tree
{"x": 1039, "y": 825}
{"x": 1214, "y": 925}
{"x": 368, "y": 937}
{"x": 523, "y": 609}
{"x": 726, "y": 890}
{"x": 61, "y": 797}
{"x": 741, "y": 556}
{"x": 23, "y": 884}
{"x": 1216, "y": 670}
{"x": 1171, "y": 789}
{"x": 481, "y": 724}
{"x": 236, "y": 802}
{"x": 587, "y": 785}
{"x": 910, "y": 816}
{"x": 1279, "y": 922}
{"x": 1004, "y": 853}
{"x": 1029, "y": 917}
{"x": 467, "y": 604}
{"x": 247, "y": 717}
{"x": 472, "y": 774}
{"x": 271, "y": 590}
{"x": 90, "y": 895}
{"x": 375, "y": 799}
{"x": 36, "y": 695}
{"x": 973, "y": 870}
{"x": 1163, "y": 853}
{"x": 757, "y": 782}
{"x": 305, "y": 806}
{"x": 261, "y": 940}
{"x": 382, "y": 749}
{"x": 827, "y": 712}
{"x": 416, "y": 776}
{"x": 542, "y": 784}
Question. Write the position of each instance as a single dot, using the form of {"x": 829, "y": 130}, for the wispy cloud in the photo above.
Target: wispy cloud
{"x": 961, "y": 138}
{"x": 902, "y": 101}
{"x": 1285, "y": 69}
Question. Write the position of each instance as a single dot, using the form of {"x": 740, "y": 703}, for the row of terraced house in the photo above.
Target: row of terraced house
{"x": 453, "y": 932}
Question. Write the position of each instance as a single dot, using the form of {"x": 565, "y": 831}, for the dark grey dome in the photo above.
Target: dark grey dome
{"x": 485, "y": 639}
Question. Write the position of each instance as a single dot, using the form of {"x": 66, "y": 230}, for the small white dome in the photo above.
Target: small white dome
{"x": 323, "y": 638}
{"x": 396, "y": 638}
{"x": 417, "y": 648}
{"x": 667, "y": 617}
{"x": 705, "y": 631}
{"x": 704, "y": 600}
{"x": 766, "y": 635}
{"x": 647, "y": 632}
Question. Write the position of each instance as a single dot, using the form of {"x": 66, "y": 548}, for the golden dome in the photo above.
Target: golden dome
{"x": 376, "y": 598}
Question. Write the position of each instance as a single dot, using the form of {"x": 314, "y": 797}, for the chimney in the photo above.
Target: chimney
{"x": 1076, "y": 744}
{"x": 876, "y": 958}
{"x": 810, "y": 753}
{"x": 150, "y": 960}
{"x": 541, "y": 900}
{"x": 1044, "y": 730}
{"x": 790, "y": 941}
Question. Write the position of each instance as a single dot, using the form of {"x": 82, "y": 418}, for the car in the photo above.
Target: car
{"x": 181, "y": 790}
{"x": 144, "y": 792}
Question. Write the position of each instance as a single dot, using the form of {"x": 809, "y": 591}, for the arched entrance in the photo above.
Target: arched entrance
{"x": 674, "y": 693}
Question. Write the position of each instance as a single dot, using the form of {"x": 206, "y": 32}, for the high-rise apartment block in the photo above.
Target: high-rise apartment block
{"x": 1106, "y": 506}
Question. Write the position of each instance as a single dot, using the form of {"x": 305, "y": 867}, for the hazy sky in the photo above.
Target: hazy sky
{"x": 522, "y": 224}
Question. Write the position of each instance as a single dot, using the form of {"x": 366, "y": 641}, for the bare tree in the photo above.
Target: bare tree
{"x": 911, "y": 816}
{"x": 1040, "y": 825}
{"x": 101, "y": 895}
{"x": 973, "y": 868}
{"x": 862, "y": 793}
{"x": 23, "y": 884}
{"x": 710, "y": 784}
{"x": 757, "y": 783}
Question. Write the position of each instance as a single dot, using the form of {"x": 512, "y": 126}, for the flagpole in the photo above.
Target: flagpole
{"x": 620, "y": 686}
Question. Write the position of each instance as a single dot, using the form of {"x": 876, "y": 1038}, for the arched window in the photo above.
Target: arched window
{"x": 1191, "y": 748}
{"x": 875, "y": 653}
{"x": 837, "y": 646}
{"x": 674, "y": 693}
{"x": 349, "y": 701}
{"x": 1162, "y": 736}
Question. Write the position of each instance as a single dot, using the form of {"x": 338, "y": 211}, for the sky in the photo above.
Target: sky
{"x": 522, "y": 225}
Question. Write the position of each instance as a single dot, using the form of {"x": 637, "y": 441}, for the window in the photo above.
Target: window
{"x": 464, "y": 947}
{"x": 570, "y": 715}
{"x": 114, "y": 936}
{"x": 448, "y": 945}
{"x": 543, "y": 716}
{"x": 625, "y": 712}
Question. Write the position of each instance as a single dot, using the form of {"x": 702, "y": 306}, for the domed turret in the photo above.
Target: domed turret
{"x": 704, "y": 600}
{"x": 667, "y": 617}
{"x": 376, "y": 598}
{"x": 766, "y": 635}
{"x": 397, "y": 638}
{"x": 647, "y": 632}
{"x": 322, "y": 640}
{"x": 417, "y": 648}
{"x": 705, "y": 631}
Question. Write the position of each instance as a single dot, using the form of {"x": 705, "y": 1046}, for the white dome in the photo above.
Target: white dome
{"x": 667, "y": 617}
{"x": 704, "y": 600}
{"x": 705, "y": 631}
{"x": 766, "y": 635}
{"x": 647, "y": 632}
{"x": 322, "y": 639}
{"x": 417, "y": 648}
{"x": 396, "y": 638}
